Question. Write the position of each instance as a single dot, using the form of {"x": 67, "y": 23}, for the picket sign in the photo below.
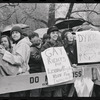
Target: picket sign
{"x": 57, "y": 65}
{"x": 32, "y": 81}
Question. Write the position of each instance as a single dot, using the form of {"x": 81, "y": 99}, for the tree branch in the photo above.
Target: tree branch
{"x": 9, "y": 16}
{"x": 31, "y": 16}
{"x": 69, "y": 10}
{"x": 85, "y": 11}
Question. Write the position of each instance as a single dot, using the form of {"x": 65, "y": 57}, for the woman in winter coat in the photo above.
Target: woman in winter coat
{"x": 5, "y": 42}
{"x": 20, "y": 55}
{"x": 55, "y": 91}
{"x": 21, "y": 51}
{"x": 70, "y": 47}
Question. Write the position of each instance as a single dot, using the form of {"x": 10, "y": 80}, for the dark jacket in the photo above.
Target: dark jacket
{"x": 35, "y": 60}
{"x": 72, "y": 52}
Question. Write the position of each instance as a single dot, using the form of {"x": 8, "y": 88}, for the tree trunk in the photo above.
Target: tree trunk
{"x": 69, "y": 10}
{"x": 51, "y": 16}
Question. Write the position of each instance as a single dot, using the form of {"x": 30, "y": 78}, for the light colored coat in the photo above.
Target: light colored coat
{"x": 20, "y": 55}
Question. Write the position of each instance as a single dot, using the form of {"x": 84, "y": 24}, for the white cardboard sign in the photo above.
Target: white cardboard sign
{"x": 57, "y": 65}
{"x": 88, "y": 46}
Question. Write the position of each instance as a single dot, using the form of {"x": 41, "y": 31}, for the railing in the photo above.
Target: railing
{"x": 10, "y": 84}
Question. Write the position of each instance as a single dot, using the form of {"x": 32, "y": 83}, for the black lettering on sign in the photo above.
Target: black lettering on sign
{"x": 77, "y": 74}
{"x": 80, "y": 73}
{"x": 34, "y": 79}
{"x": 31, "y": 79}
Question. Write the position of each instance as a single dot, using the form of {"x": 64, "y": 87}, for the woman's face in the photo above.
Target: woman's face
{"x": 54, "y": 35}
{"x": 4, "y": 42}
{"x": 16, "y": 35}
{"x": 70, "y": 36}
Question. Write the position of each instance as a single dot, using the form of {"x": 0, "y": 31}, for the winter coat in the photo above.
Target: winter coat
{"x": 72, "y": 52}
{"x": 35, "y": 60}
{"x": 20, "y": 55}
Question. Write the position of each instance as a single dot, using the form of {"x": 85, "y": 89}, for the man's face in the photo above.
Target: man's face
{"x": 35, "y": 40}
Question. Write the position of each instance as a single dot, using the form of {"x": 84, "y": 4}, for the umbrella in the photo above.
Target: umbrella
{"x": 69, "y": 23}
{"x": 41, "y": 31}
{"x": 9, "y": 27}
{"x": 87, "y": 27}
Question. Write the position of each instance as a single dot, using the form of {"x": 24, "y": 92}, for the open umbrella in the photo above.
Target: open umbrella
{"x": 87, "y": 27}
{"x": 69, "y": 23}
{"x": 9, "y": 27}
{"x": 6, "y": 30}
{"x": 41, "y": 31}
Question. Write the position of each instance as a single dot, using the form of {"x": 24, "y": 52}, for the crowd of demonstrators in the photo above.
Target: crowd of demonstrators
{"x": 23, "y": 56}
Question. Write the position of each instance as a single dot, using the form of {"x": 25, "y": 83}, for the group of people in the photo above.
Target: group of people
{"x": 21, "y": 55}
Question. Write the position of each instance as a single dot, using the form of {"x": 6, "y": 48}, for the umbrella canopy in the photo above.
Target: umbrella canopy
{"x": 69, "y": 23}
{"x": 9, "y": 27}
{"x": 41, "y": 31}
{"x": 87, "y": 27}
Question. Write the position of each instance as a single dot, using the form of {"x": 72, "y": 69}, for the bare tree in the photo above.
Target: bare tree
{"x": 86, "y": 9}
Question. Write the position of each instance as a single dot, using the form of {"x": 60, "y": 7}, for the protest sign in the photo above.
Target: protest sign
{"x": 57, "y": 65}
{"x": 88, "y": 46}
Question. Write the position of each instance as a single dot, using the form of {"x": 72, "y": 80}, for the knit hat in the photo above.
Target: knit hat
{"x": 51, "y": 29}
{"x": 16, "y": 28}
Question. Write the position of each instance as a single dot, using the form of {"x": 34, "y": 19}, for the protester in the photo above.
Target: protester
{"x": 20, "y": 54}
{"x": 45, "y": 38}
{"x": 55, "y": 91}
{"x": 70, "y": 47}
{"x": 35, "y": 60}
{"x": 6, "y": 43}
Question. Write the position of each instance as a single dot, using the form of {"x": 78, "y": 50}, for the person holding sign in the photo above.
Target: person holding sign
{"x": 70, "y": 47}
{"x": 55, "y": 91}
